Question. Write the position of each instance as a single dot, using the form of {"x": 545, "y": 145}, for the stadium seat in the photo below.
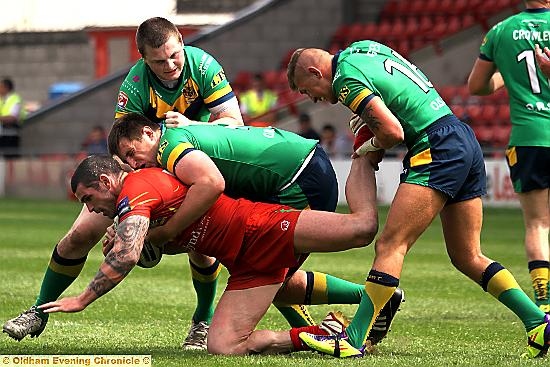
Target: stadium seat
{"x": 388, "y": 11}
{"x": 484, "y": 134}
{"x": 397, "y": 30}
{"x": 431, "y": 7}
{"x": 385, "y": 28}
{"x": 370, "y": 31}
{"x": 447, "y": 92}
{"x": 354, "y": 33}
{"x": 340, "y": 36}
{"x": 242, "y": 81}
{"x": 412, "y": 28}
{"x": 459, "y": 111}
{"x": 417, "y": 8}
{"x": 474, "y": 114}
{"x": 489, "y": 114}
{"x": 270, "y": 78}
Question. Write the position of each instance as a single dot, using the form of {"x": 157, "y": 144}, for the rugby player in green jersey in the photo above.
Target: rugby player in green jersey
{"x": 260, "y": 164}
{"x": 507, "y": 58}
{"x": 175, "y": 83}
{"x": 443, "y": 174}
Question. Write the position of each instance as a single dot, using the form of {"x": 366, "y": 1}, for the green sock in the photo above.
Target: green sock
{"x": 205, "y": 282}
{"x": 322, "y": 289}
{"x": 502, "y": 285}
{"x": 296, "y": 315}
{"x": 58, "y": 277}
{"x": 379, "y": 288}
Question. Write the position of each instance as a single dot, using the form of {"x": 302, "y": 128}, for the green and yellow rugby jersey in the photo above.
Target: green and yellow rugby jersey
{"x": 256, "y": 162}
{"x": 510, "y": 45}
{"x": 202, "y": 85}
{"x": 366, "y": 69}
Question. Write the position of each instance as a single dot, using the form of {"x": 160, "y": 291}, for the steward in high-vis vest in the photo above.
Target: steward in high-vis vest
{"x": 12, "y": 112}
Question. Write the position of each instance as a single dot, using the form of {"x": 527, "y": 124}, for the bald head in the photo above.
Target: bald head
{"x": 303, "y": 59}
{"x": 310, "y": 72}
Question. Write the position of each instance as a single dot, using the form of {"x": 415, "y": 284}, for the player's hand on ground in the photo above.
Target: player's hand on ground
{"x": 68, "y": 304}
{"x": 176, "y": 119}
{"x": 109, "y": 239}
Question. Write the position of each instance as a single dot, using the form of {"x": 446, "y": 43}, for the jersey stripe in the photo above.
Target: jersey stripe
{"x": 175, "y": 153}
{"x": 218, "y": 94}
{"x": 357, "y": 100}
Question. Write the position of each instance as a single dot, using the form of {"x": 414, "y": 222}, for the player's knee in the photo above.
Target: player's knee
{"x": 77, "y": 242}
{"x": 216, "y": 344}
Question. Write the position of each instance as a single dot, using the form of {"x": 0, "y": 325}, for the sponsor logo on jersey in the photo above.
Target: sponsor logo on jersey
{"x": 123, "y": 206}
{"x": 197, "y": 234}
{"x": 344, "y": 92}
{"x": 284, "y": 225}
{"x": 206, "y": 60}
{"x": 189, "y": 92}
{"x": 136, "y": 78}
{"x": 160, "y": 151}
{"x": 122, "y": 99}
{"x": 218, "y": 78}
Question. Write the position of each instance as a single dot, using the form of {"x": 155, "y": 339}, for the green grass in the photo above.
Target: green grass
{"x": 446, "y": 320}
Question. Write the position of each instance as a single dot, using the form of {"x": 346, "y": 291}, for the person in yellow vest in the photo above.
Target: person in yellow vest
{"x": 12, "y": 114}
{"x": 258, "y": 100}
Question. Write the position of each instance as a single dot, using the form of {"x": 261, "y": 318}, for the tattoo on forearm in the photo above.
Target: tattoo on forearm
{"x": 370, "y": 119}
{"x": 121, "y": 259}
{"x": 101, "y": 284}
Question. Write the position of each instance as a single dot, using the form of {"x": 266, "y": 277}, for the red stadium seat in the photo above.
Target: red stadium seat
{"x": 385, "y": 28}
{"x": 417, "y": 8}
{"x": 354, "y": 33}
{"x": 474, "y": 113}
{"x": 370, "y": 31}
{"x": 242, "y": 80}
{"x": 447, "y": 92}
{"x": 341, "y": 33}
{"x": 489, "y": 114}
{"x": 388, "y": 11}
{"x": 484, "y": 134}
{"x": 270, "y": 78}
{"x": 412, "y": 27}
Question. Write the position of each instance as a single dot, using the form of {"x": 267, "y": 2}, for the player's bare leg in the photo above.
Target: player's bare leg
{"x": 233, "y": 326}
{"x": 535, "y": 205}
{"x": 329, "y": 232}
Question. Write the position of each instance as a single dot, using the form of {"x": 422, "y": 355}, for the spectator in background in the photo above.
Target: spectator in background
{"x": 306, "y": 129}
{"x": 258, "y": 101}
{"x": 508, "y": 62}
{"x": 12, "y": 115}
{"x": 96, "y": 141}
{"x": 336, "y": 145}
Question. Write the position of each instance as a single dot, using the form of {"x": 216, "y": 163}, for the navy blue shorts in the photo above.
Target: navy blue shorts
{"x": 447, "y": 158}
{"x": 529, "y": 168}
{"x": 315, "y": 188}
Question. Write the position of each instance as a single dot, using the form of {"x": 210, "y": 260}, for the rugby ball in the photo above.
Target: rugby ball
{"x": 150, "y": 255}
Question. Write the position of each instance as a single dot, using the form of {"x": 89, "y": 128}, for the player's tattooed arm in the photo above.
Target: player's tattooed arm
{"x": 371, "y": 119}
{"x": 123, "y": 256}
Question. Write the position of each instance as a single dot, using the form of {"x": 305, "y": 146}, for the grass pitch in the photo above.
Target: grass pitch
{"x": 446, "y": 319}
